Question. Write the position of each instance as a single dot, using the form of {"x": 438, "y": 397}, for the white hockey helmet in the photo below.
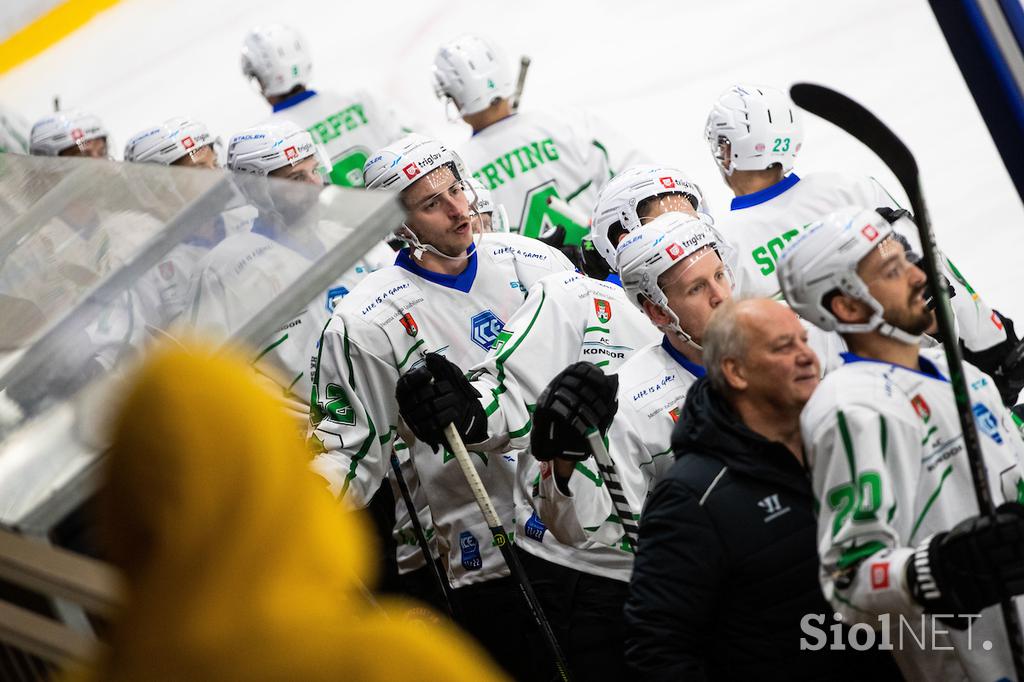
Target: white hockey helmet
{"x": 824, "y": 260}
{"x": 62, "y": 130}
{"x": 14, "y": 132}
{"x": 268, "y": 147}
{"x": 648, "y": 253}
{"x": 406, "y": 161}
{"x": 761, "y": 125}
{"x": 485, "y": 206}
{"x": 620, "y": 197}
{"x": 168, "y": 142}
{"x": 276, "y": 58}
{"x": 472, "y": 73}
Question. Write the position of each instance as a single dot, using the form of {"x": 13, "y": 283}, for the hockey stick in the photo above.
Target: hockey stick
{"x": 524, "y": 66}
{"x": 501, "y": 539}
{"x": 421, "y": 537}
{"x": 865, "y": 126}
{"x": 610, "y": 476}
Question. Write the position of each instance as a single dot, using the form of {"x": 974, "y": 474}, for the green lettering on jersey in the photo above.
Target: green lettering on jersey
{"x": 335, "y": 125}
{"x": 529, "y": 156}
{"x": 767, "y": 255}
{"x": 540, "y": 217}
{"x": 338, "y": 408}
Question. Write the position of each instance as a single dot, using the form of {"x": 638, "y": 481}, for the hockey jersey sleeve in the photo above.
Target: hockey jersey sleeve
{"x": 353, "y": 409}
{"x": 852, "y": 449}
{"x": 539, "y": 340}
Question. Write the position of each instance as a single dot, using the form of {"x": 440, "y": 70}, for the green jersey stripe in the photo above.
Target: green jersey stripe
{"x": 931, "y": 500}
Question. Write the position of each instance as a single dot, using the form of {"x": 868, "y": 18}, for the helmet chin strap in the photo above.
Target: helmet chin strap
{"x": 418, "y": 247}
{"x": 674, "y": 328}
{"x": 893, "y": 332}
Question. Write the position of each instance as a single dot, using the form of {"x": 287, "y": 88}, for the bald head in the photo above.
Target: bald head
{"x": 757, "y": 348}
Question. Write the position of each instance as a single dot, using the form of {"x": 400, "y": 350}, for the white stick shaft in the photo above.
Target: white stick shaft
{"x": 610, "y": 476}
{"x": 472, "y": 476}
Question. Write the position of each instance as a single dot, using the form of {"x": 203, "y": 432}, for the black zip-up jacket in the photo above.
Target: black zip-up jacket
{"x": 727, "y": 565}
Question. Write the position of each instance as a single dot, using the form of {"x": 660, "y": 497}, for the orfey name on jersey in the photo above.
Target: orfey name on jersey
{"x": 330, "y": 128}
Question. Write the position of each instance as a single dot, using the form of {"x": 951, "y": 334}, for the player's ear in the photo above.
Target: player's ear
{"x": 734, "y": 373}
{"x": 847, "y": 309}
{"x": 655, "y": 313}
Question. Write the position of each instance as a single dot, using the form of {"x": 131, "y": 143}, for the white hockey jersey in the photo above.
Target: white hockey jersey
{"x": 350, "y": 126}
{"x": 652, "y": 388}
{"x": 761, "y": 224}
{"x": 529, "y": 157}
{"x": 244, "y": 271}
{"x": 381, "y": 330}
{"x": 889, "y": 470}
{"x": 566, "y": 318}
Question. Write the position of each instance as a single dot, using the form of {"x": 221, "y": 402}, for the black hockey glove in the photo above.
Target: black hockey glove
{"x": 581, "y": 397}
{"x": 594, "y": 264}
{"x": 1004, "y": 362}
{"x": 891, "y": 215}
{"x": 971, "y": 567}
{"x": 437, "y": 394}
{"x": 557, "y": 240}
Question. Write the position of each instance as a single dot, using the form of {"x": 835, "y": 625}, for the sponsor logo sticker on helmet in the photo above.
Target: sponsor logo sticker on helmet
{"x": 674, "y": 251}
{"x": 869, "y": 232}
{"x": 411, "y": 170}
{"x": 667, "y": 183}
{"x": 290, "y": 153}
{"x": 759, "y": 147}
{"x": 187, "y": 142}
{"x": 77, "y": 134}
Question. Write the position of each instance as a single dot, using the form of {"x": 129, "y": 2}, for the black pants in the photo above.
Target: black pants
{"x": 586, "y": 613}
{"x": 495, "y": 613}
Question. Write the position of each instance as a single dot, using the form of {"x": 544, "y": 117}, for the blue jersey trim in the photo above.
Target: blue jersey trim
{"x": 691, "y": 367}
{"x": 475, "y": 133}
{"x": 928, "y": 367}
{"x": 614, "y": 279}
{"x": 293, "y": 100}
{"x": 766, "y": 194}
{"x": 462, "y": 281}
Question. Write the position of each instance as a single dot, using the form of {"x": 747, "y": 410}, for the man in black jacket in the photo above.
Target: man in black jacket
{"x": 727, "y": 565}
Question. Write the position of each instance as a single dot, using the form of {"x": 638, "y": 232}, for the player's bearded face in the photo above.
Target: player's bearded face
{"x": 695, "y": 287}
{"x": 899, "y": 286}
{"x": 439, "y": 212}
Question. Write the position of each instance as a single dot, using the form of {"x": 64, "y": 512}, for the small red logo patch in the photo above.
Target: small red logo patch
{"x": 187, "y": 142}
{"x": 77, "y": 134}
{"x": 870, "y": 232}
{"x": 603, "y": 309}
{"x": 674, "y": 251}
{"x": 667, "y": 183}
{"x": 997, "y": 322}
{"x": 411, "y": 171}
{"x": 167, "y": 270}
{"x": 879, "y": 576}
{"x": 290, "y": 153}
{"x": 411, "y": 328}
{"x": 921, "y": 407}
{"x": 759, "y": 147}
{"x": 674, "y": 413}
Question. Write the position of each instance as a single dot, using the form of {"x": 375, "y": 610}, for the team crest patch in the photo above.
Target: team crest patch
{"x": 411, "y": 328}
{"x": 603, "y": 309}
{"x": 674, "y": 413}
{"x": 485, "y": 328}
{"x": 167, "y": 270}
{"x": 921, "y": 407}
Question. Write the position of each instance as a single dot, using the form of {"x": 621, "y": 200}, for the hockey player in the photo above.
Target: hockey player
{"x": 492, "y": 216}
{"x": 524, "y": 159}
{"x": 251, "y": 266}
{"x": 69, "y": 133}
{"x": 565, "y": 319}
{"x": 178, "y": 141}
{"x": 755, "y": 134}
{"x": 348, "y": 125}
{"x": 900, "y": 538}
{"x": 450, "y": 292}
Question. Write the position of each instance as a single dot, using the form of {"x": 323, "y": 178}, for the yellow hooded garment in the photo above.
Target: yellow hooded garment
{"x": 239, "y": 564}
